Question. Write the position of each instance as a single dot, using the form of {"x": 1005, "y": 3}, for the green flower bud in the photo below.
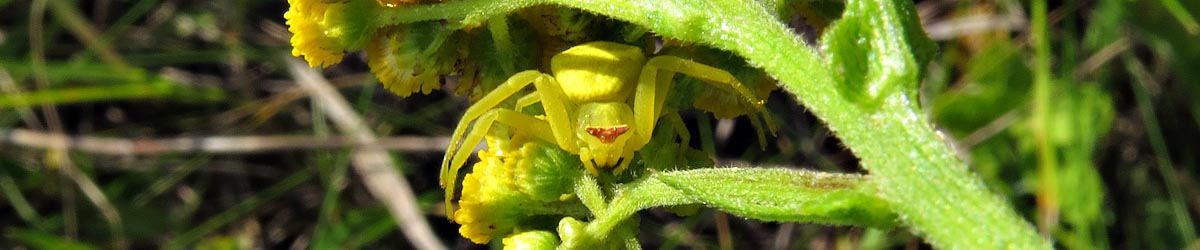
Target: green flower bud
{"x": 532, "y": 240}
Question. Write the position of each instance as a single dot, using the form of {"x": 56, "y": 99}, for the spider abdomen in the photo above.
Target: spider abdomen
{"x": 598, "y": 71}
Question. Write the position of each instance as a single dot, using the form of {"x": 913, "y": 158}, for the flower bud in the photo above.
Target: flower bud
{"x": 535, "y": 240}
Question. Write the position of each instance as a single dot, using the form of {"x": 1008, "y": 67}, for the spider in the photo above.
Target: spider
{"x": 602, "y": 104}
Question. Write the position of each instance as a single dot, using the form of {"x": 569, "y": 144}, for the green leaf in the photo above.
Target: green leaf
{"x": 869, "y": 60}
{"x": 773, "y": 194}
{"x": 778, "y": 194}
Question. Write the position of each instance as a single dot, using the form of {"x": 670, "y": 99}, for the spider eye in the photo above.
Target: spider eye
{"x": 608, "y": 134}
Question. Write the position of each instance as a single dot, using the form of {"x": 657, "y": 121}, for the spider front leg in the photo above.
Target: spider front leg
{"x": 657, "y": 78}
{"x": 479, "y": 118}
{"x": 457, "y": 157}
{"x": 473, "y": 113}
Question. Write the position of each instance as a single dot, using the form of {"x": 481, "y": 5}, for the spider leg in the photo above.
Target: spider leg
{"x": 626, "y": 159}
{"x": 585, "y": 156}
{"x": 530, "y": 99}
{"x": 648, "y": 98}
{"x": 488, "y": 102}
{"x": 556, "y": 106}
{"x": 680, "y": 129}
{"x": 559, "y": 112}
{"x": 479, "y": 118}
{"x": 523, "y": 123}
{"x": 553, "y": 101}
{"x": 662, "y": 68}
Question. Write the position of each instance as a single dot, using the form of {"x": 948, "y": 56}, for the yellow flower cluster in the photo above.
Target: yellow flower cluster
{"x": 306, "y": 20}
{"x": 396, "y": 64}
{"x": 323, "y": 30}
{"x": 487, "y": 186}
{"x": 514, "y": 180}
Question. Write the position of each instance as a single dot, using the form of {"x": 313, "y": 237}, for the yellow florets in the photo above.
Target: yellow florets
{"x": 396, "y": 64}
{"x": 477, "y": 223}
{"x": 487, "y": 187}
{"x": 306, "y": 20}
{"x": 513, "y": 181}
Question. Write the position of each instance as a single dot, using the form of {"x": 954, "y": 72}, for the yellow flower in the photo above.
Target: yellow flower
{"x": 483, "y": 190}
{"x": 323, "y": 30}
{"x": 395, "y": 61}
{"x": 514, "y": 180}
{"x": 305, "y": 19}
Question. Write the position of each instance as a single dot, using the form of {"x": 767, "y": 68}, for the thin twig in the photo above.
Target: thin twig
{"x": 1101, "y": 57}
{"x": 956, "y": 27}
{"x": 783, "y": 237}
{"x": 263, "y": 110}
{"x": 370, "y": 161}
{"x": 97, "y": 197}
{"x": 991, "y": 129}
{"x": 724, "y": 237}
{"x": 9, "y": 88}
{"x": 210, "y": 144}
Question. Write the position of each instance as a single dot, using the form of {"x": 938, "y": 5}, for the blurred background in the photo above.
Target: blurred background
{"x": 144, "y": 124}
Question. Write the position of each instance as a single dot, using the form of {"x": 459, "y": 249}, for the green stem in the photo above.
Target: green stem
{"x": 589, "y": 193}
{"x": 643, "y": 194}
{"x": 1047, "y": 158}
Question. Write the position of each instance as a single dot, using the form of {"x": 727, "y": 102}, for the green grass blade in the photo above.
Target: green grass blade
{"x": 1183, "y": 219}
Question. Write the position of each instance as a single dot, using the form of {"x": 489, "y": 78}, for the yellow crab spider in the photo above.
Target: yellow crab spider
{"x": 601, "y": 104}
